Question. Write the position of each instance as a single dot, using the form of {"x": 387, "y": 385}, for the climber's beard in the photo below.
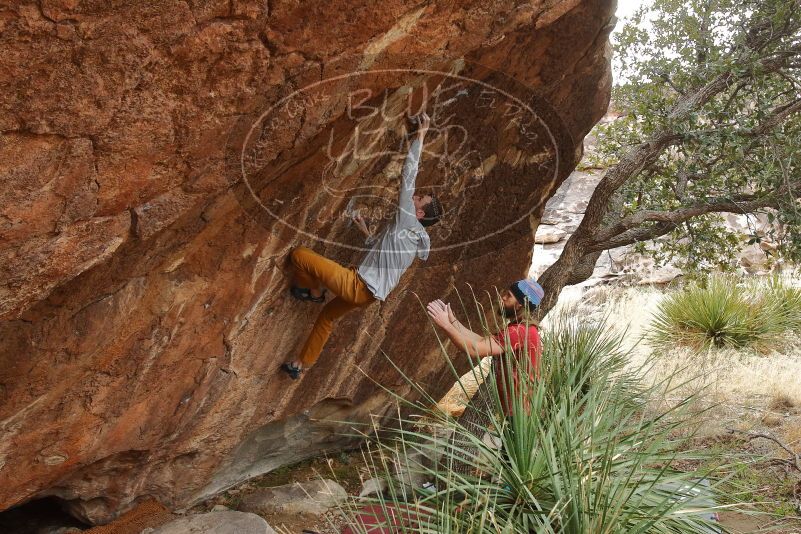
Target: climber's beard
{"x": 508, "y": 312}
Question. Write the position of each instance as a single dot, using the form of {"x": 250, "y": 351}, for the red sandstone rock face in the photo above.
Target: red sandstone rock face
{"x": 143, "y": 304}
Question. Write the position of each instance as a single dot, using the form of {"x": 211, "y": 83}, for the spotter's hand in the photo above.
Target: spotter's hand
{"x": 440, "y": 313}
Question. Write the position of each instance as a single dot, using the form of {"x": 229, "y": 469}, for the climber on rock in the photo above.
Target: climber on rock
{"x": 519, "y": 337}
{"x": 392, "y": 252}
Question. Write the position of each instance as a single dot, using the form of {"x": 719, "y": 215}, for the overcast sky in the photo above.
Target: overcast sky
{"x": 626, "y": 8}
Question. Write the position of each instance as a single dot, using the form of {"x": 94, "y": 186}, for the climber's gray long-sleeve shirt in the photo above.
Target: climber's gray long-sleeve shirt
{"x": 401, "y": 241}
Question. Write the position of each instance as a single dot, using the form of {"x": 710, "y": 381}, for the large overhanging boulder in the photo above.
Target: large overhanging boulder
{"x": 159, "y": 162}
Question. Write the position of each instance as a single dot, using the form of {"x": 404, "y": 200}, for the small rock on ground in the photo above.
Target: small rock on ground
{"x": 314, "y": 497}
{"x": 373, "y": 486}
{"x": 229, "y": 522}
{"x": 549, "y": 234}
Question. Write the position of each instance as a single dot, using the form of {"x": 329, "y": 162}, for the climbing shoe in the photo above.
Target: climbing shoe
{"x": 291, "y": 370}
{"x": 301, "y": 293}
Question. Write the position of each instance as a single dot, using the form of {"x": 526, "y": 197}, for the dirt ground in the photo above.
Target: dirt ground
{"x": 771, "y": 484}
{"x": 347, "y": 468}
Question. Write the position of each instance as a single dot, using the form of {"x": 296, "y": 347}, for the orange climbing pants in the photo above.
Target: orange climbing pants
{"x": 312, "y": 271}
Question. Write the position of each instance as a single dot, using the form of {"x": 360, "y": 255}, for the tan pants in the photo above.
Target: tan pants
{"x": 312, "y": 271}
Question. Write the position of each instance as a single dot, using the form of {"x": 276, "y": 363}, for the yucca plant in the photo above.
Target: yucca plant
{"x": 728, "y": 312}
{"x": 582, "y": 454}
{"x": 784, "y": 298}
{"x": 715, "y": 315}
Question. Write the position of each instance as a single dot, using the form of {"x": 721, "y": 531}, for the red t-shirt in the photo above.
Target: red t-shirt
{"x": 524, "y": 341}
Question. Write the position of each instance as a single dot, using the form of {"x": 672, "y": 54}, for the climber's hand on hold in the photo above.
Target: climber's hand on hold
{"x": 441, "y": 314}
{"x": 425, "y": 123}
{"x": 362, "y": 225}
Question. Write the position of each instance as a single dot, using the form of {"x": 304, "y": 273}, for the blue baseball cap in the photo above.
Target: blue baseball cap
{"x": 528, "y": 289}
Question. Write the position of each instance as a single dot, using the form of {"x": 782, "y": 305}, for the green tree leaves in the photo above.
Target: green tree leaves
{"x": 742, "y": 143}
